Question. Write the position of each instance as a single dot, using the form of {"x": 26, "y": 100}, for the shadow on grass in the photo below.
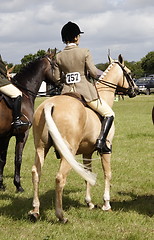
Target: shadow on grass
{"x": 20, "y": 206}
{"x": 143, "y": 204}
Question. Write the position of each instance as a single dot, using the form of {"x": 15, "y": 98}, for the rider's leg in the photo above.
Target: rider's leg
{"x": 105, "y": 111}
{"x": 16, "y": 95}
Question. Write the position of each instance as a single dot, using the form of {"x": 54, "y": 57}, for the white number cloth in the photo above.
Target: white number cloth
{"x": 73, "y": 77}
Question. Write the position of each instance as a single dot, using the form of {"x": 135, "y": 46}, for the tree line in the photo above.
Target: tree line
{"x": 141, "y": 68}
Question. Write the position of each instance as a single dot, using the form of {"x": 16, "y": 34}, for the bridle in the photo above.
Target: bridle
{"x": 131, "y": 91}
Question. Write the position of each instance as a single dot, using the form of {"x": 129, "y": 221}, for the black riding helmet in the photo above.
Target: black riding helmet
{"x": 69, "y": 31}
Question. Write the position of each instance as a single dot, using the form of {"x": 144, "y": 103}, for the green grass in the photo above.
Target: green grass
{"x": 132, "y": 191}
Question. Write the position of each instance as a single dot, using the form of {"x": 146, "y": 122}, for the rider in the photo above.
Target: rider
{"x": 6, "y": 87}
{"x": 76, "y": 63}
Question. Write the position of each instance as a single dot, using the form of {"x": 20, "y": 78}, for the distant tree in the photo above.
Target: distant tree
{"x": 102, "y": 66}
{"x": 31, "y": 57}
{"x": 27, "y": 58}
{"x": 135, "y": 68}
{"x": 147, "y": 63}
{"x": 40, "y": 53}
{"x": 138, "y": 70}
{"x": 17, "y": 68}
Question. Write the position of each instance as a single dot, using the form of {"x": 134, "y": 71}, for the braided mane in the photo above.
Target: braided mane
{"x": 106, "y": 71}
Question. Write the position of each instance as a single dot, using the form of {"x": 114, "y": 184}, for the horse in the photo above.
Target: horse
{"x": 153, "y": 115}
{"x": 28, "y": 80}
{"x": 72, "y": 128}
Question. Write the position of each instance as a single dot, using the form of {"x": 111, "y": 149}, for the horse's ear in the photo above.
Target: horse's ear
{"x": 55, "y": 51}
{"x": 110, "y": 59}
{"x": 48, "y": 51}
{"x": 121, "y": 60}
{"x": 9, "y": 71}
{"x": 51, "y": 52}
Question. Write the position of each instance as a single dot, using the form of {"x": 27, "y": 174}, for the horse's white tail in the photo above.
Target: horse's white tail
{"x": 63, "y": 148}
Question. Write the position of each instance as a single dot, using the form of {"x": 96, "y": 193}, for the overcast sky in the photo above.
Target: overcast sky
{"x": 123, "y": 26}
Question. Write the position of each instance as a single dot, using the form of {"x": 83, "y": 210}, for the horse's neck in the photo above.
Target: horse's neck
{"x": 107, "y": 91}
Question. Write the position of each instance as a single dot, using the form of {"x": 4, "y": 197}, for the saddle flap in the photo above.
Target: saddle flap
{"x": 7, "y": 100}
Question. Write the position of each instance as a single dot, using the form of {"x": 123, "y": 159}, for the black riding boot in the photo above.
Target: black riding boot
{"x": 17, "y": 122}
{"x": 101, "y": 146}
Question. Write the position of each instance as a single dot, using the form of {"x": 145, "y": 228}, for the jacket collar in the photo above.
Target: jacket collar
{"x": 68, "y": 47}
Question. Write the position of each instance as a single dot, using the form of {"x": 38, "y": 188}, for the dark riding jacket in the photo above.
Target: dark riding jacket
{"x": 3, "y": 74}
{"x": 74, "y": 59}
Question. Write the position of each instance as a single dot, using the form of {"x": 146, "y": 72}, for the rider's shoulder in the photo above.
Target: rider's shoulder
{"x": 84, "y": 50}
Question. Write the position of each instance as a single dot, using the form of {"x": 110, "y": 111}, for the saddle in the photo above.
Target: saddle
{"x": 7, "y": 100}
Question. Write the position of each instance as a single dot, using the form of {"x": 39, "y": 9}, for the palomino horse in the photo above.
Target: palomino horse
{"x": 28, "y": 80}
{"x": 64, "y": 118}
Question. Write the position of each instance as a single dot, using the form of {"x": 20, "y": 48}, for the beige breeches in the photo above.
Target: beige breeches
{"x": 101, "y": 107}
{"x": 11, "y": 91}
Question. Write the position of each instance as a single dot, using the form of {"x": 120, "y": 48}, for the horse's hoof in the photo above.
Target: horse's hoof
{"x": 19, "y": 190}
{"x": 106, "y": 209}
{"x": 33, "y": 216}
{"x": 91, "y": 206}
{"x": 63, "y": 221}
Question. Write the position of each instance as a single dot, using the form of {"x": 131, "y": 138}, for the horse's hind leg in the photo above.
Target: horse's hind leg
{"x": 105, "y": 158}
{"x": 87, "y": 163}
{"x": 60, "y": 183}
{"x": 3, "y": 153}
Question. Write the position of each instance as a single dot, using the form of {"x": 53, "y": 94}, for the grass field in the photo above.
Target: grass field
{"x": 132, "y": 191}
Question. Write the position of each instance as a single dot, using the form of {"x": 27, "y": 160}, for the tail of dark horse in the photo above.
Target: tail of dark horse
{"x": 153, "y": 115}
{"x": 63, "y": 148}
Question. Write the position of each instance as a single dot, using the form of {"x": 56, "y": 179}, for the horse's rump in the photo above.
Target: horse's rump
{"x": 78, "y": 125}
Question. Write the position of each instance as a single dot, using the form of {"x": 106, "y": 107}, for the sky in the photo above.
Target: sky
{"x": 122, "y": 26}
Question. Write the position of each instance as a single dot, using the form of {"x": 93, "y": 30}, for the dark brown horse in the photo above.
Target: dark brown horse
{"x": 28, "y": 80}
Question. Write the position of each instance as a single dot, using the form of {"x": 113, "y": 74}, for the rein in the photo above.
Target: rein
{"x": 31, "y": 92}
{"x": 14, "y": 82}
